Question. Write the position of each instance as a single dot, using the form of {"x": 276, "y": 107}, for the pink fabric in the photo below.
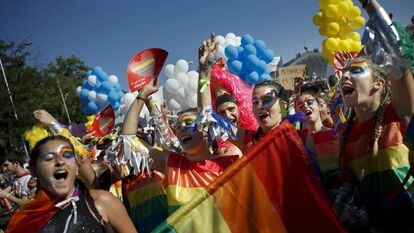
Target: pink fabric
{"x": 221, "y": 79}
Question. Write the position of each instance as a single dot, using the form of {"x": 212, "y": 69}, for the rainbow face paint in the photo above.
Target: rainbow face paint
{"x": 64, "y": 153}
{"x": 187, "y": 123}
{"x": 357, "y": 69}
{"x": 308, "y": 101}
{"x": 267, "y": 100}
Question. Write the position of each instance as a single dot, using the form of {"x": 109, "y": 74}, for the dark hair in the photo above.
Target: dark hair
{"x": 305, "y": 93}
{"x": 225, "y": 98}
{"x": 14, "y": 157}
{"x": 187, "y": 110}
{"x": 79, "y": 184}
{"x": 280, "y": 91}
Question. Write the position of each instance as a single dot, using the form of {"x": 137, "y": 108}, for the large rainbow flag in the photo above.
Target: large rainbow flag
{"x": 273, "y": 188}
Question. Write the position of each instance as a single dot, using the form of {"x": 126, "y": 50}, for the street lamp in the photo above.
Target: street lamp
{"x": 18, "y": 49}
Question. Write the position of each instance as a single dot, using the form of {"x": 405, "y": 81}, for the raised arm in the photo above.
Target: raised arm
{"x": 402, "y": 83}
{"x": 206, "y": 54}
{"x": 130, "y": 125}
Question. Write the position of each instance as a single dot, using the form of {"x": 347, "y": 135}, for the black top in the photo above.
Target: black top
{"x": 86, "y": 222}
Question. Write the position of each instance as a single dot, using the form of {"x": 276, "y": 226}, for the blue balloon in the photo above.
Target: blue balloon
{"x": 97, "y": 85}
{"x": 101, "y": 105}
{"x": 84, "y": 100}
{"x": 88, "y": 111}
{"x": 245, "y": 70}
{"x": 115, "y": 106}
{"x": 247, "y": 39}
{"x": 98, "y": 71}
{"x": 268, "y": 55}
{"x": 105, "y": 87}
{"x": 260, "y": 46}
{"x": 261, "y": 68}
{"x": 92, "y": 105}
{"x": 118, "y": 86}
{"x": 239, "y": 49}
{"x": 88, "y": 73}
{"x": 265, "y": 77}
{"x": 235, "y": 67}
{"x": 251, "y": 50}
{"x": 84, "y": 93}
{"x": 243, "y": 55}
{"x": 252, "y": 78}
{"x": 87, "y": 86}
{"x": 120, "y": 95}
{"x": 252, "y": 62}
{"x": 231, "y": 52}
{"x": 112, "y": 97}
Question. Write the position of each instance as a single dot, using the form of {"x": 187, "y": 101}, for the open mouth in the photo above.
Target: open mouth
{"x": 307, "y": 112}
{"x": 186, "y": 139}
{"x": 263, "y": 116}
{"x": 60, "y": 175}
{"x": 347, "y": 89}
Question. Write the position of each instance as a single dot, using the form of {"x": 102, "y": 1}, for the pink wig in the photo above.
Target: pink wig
{"x": 224, "y": 80}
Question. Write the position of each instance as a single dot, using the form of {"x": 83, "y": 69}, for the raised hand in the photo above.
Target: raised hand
{"x": 43, "y": 117}
{"x": 207, "y": 52}
{"x": 148, "y": 90}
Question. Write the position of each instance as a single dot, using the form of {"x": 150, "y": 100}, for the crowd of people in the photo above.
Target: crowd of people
{"x": 132, "y": 179}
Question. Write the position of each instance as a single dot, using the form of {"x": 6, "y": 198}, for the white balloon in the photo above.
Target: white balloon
{"x": 180, "y": 95}
{"x": 237, "y": 40}
{"x": 102, "y": 98}
{"x": 113, "y": 79}
{"x": 192, "y": 75}
{"x": 172, "y": 85}
{"x": 174, "y": 105}
{"x": 182, "y": 78}
{"x": 127, "y": 100}
{"x": 230, "y": 36}
{"x": 169, "y": 70}
{"x": 221, "y": 52}
{"x": 220, "y": 39}
{"x": 192, "y": 101}
{"x": 192, "y": 86}
{"x": 78, "y": 90}
{"x": 230, "y": 42}
{"x": 181, "y": 66}
{"x": 92, "y": 80}
{"x": 92, "y": 95}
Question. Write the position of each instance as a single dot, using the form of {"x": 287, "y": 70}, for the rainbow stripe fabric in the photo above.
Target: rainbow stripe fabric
{"x": 324, "y": 148}
{"x": 272, "y": 188}
{"x": 379, "y": 176}
{"x": 147, "y": 200}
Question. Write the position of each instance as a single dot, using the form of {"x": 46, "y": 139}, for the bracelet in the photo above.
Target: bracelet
{"x": 203, "y": 83}
{"x": 56, "y": 126}
{"x": 140, "y": 98}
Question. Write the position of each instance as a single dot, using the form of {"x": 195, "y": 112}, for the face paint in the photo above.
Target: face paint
{"x": 188, "y": 123}
{"x": 357, "y": 69}
{"x": 267, "y": 100}
{"x": 309, "y": 101}
{"x": 65, "y": 152}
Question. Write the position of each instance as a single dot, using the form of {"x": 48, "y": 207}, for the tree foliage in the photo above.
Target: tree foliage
{"x": 36, "y": 87}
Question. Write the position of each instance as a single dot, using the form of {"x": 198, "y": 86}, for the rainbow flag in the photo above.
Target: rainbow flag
{"x": 273, "y": 188}
{"x": 146, "y": 200}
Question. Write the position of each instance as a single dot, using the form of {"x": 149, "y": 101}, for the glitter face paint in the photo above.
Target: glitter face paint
{"x": 357, "y": 69}
{"x": 188, "y": 123}
{"x": 64, "y": 153}
{"x": 267, "y": 100}
{"x": 308, "y": 101}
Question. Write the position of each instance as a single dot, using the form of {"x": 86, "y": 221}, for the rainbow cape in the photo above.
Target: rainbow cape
{"x": 273, "y": 188}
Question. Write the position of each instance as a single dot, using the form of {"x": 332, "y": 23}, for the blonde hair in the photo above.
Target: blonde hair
{"x": 377, "y": 73}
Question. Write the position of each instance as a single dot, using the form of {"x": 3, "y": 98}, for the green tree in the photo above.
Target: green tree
{"x": 35, "y": 87}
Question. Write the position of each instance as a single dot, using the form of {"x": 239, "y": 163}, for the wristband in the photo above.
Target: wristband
{"x": 140, "y": 98}
{"x": 203, "y": 83}
{"x": 56, "y": 126}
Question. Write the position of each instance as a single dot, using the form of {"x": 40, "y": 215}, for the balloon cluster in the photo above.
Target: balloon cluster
{"x": 98, "y": 91}
{"x": 337, "y": 19}
{"x": 223, "y": 41}
{"x": 249, "y": 60}
{"x": 181, "y": 86}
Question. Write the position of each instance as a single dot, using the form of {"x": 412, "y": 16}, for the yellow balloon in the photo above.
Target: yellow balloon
{"x": 353, "y": 12}
{"x": 327, "y": 55}
{"x": 331, "y": 43}
{"x": 343, "y": 8}
{"x": 342, "y": 21}
{"x": 357, "y": 22}
{"x": 332, "y": 29}
{"x": 331, "y": 11}
{"x": 355, "y": 46}
{"x": 355, "y": 36}
{"x": 323, "y": 30}
{"x": 343, "y": 46}
{"x": 317, "y": 19}
{"x": 323, "y": 4}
